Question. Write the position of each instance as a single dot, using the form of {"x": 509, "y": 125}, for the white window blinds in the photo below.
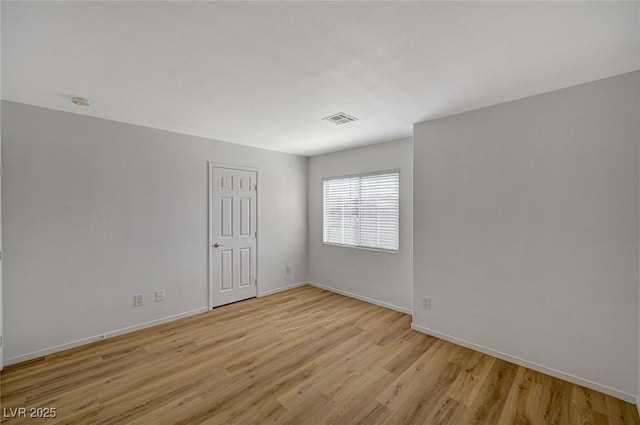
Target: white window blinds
{"x": 362, "y": 211}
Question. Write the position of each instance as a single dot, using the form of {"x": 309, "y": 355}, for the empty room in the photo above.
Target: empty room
{"x": 313, "y": 213}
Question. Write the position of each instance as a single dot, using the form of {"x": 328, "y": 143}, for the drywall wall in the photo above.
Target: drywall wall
{"x": 97, "y": 211}
{"x": 526, "y": 231}
{"x": 380, "y": 277}
{"x": 1, "y": 332}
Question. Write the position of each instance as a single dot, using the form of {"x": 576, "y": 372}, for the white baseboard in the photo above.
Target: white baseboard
{"x": 51, "y": 350}
{"x": 531, "y": 365}
{"x": 362, "y": 298}
{"x": 109, "y": 334}
{"x": 281, "y": 289}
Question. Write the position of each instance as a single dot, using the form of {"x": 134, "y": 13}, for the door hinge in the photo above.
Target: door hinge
{"x": 255, "y": 235}
{"x": 255, "y": 187}
{"x": 255, "y": 282}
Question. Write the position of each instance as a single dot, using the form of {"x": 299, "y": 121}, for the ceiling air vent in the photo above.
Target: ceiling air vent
{"x": 340, "y": 118}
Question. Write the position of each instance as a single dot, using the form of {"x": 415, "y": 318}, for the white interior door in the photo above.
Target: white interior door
{"x": 233, "y": 235}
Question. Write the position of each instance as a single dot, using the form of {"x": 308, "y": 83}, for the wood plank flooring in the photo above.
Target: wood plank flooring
{"x": 304, "y": 356}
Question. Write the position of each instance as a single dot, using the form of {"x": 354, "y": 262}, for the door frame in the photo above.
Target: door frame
{"x": 210, "y": 166}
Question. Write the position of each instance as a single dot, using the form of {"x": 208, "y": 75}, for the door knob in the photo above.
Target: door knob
{"x": 216, "y": 245}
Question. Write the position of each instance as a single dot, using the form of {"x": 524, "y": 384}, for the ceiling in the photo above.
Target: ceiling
{"x": 265, "y": 73}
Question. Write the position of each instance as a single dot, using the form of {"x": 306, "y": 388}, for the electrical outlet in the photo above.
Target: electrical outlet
{"x": 160, "y": 295}
{"x": 426, "y": 303}
{"x": 288, "y": 269}
{"x": 138, "y": 300}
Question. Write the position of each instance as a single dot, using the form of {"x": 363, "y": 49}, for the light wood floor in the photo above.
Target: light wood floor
{"x": 304, "y": 356}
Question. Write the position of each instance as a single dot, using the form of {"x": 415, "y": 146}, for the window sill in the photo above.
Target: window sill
{"x": 388, "y": 251}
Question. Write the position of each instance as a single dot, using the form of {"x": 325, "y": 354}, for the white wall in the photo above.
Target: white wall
{"x": 96, "y": 211}
{"x": 526, "y": 231}
{"x": 1, "y": 333}
{"x": 638, "y": 386}
{"x": 381, "y": 277}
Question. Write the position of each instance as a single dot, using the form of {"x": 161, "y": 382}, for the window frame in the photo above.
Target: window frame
{"x": 370, "y": 173}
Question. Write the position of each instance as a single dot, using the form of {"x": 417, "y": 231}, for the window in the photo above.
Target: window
{"x": 362, "y": 211}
